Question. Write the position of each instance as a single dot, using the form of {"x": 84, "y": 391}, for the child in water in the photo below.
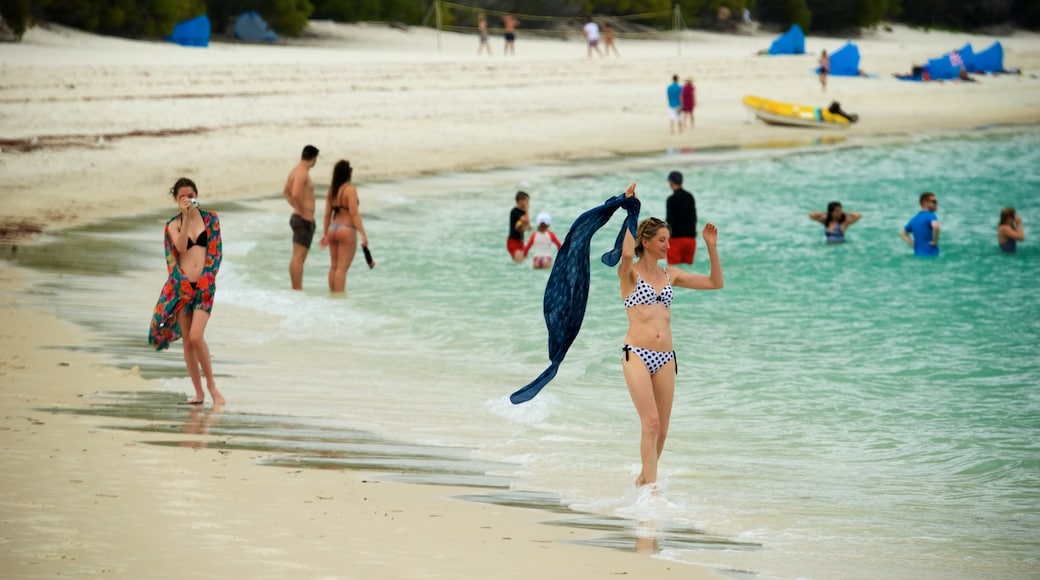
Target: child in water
{"x": 542, "y": 242}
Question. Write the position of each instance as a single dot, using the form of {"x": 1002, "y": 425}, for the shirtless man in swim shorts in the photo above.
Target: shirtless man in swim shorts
{"x": 509, "y": 23}
{"x": 299, "y": 192}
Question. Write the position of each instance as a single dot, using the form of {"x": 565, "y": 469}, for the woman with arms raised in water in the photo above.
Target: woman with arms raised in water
{"x": 648, "y": 357}
{"x": 835, "y": 221}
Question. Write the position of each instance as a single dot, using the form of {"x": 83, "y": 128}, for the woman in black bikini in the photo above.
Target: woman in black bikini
{"x": 193, "y": 256}
{"x": 648, "y": 359}
{"x": 342, "y": 225}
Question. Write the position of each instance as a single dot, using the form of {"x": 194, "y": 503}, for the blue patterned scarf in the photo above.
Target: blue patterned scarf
{"x": 567, "y": 291}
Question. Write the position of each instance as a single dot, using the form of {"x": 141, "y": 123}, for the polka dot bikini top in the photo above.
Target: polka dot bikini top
{"x": 645, "y": 294}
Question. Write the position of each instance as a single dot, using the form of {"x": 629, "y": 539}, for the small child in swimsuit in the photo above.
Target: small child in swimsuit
{"x": 542, "y": 241}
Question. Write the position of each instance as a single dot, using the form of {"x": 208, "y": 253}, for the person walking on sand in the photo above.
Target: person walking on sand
{"x": 689, "y": 101}
{"x": 592, "y": 37}
{"x": 541, "y": 243}
{"x": 824, "y": 69}
{"x": 299, "y": 192}
{"x": 519, "y": 222}
{"x": 648, "y": 359}
{"x": 924, "y": 228}
{"x": 1009, "y": 231}
{"x": 342, "y": 224}
{"x": 681, "y": 215}
{"x": 608, "y": 40}
{"x": 482, "y": 27}
{"x": 193, "y": 254}
{"x": 835, "y": 221}
{"x": 509, "y": 24}
{"x": 674, "y": 93}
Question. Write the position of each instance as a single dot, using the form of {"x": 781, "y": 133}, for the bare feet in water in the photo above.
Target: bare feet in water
{"x": 218, "y": 399}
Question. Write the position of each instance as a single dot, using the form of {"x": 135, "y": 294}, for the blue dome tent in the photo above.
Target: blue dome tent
{"x": 194, "y": 32}
{"x": 990, "y": 60}
{"x": 845, "y": 61}
{"x": 790, "y": 42}
{"x": 251, "y": 27}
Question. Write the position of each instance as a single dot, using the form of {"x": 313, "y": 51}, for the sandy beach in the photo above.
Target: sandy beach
{"x": 94, "y": 128}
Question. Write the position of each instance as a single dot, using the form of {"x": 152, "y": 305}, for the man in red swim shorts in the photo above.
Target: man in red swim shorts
{"x": 681, "y": 215}
{"x": 519, "y": 223}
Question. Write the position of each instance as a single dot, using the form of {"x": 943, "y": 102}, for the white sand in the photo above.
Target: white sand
{"x": 79, "y": 500}
{"x": 234, "y": 117}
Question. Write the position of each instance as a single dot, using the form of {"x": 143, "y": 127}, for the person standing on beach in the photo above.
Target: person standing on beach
{"x": 824, "y": 69}
{"x": 689, "y": 101}
{"x": 193, "y": 255}
{"x": 674, "y": 105}
{"x": 922, "y": 231}
{"x": 509, "y": 24}
{"x": 519, "y": 222}
{"x": 482, "y": 27}
{"x": 648, "y": 357}
{"x": 835, "y": 221}
{"x": 608, "y": 40}
{"x": 1009, "y": 231}
{"x": 592, "y": 37}
{"x": 681, "y": 215}
{"x": 299, "y": 192}
{"x": 342, "y": 224}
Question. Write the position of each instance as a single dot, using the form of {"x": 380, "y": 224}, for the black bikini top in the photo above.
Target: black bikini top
{"x": 202, "y": 240}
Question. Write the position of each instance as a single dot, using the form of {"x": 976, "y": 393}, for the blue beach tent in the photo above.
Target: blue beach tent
{"x": 790, "y": 42}
{"x": 942, "y": 69}
{"x": 251, "y": 27}
{"x": 194, "y": 32}
{"x": 845, "y": 61}
{"x": 990, "y": 60}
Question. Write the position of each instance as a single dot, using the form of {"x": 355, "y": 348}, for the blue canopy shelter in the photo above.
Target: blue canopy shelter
{"x": 790, "y": 42}
{"x": 942, "y": 69}
{"x": 194, "y": 32}
{"x": 845, "y": 61}
{"x": 990, "y": 60}
{"x": 251, "y": 27}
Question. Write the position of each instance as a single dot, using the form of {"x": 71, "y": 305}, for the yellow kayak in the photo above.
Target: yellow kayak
{"x": 779, "y": 113}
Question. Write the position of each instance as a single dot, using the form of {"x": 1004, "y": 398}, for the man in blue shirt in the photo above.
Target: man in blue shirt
{"x": 674, "y": 105}
{"x": 922, "y": 232}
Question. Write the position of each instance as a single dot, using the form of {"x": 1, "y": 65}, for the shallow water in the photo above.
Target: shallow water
{"x": 849, "y": 411}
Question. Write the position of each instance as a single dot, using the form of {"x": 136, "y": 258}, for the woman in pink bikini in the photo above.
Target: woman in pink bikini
{"x": 342, "y": 225}
{"x": 648, "y": 357}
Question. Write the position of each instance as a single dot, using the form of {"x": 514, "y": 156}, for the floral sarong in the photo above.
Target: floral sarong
{"x": 179, "y": 293}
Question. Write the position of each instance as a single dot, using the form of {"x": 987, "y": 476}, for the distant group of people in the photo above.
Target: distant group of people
{"x": 509, "y": 25}
{"x": 592, "y": 38}
{"x": 592, "y": 31}
{"x": 682, "y": 99}
{"x": 922, "y": 231}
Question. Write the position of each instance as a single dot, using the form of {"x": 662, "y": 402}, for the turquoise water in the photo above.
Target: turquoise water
{"x": 851, "y": 410}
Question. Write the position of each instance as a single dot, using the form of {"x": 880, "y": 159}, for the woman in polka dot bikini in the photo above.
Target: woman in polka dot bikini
{"x": 648, "y": 359}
